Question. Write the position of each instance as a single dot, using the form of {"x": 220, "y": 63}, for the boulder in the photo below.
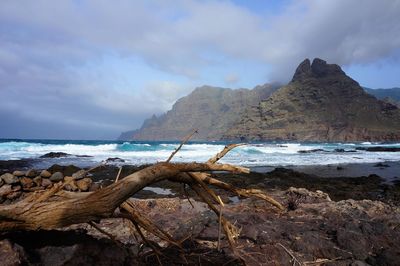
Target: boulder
{"x": 45, "y": 174}
{"x": 9, "y": 178}
{"x": 31, "y": 173}
{"x": 79, "y": 175}
{"x": 84, "y": 184}
{"x": 18, "y": 173}
{"x": 26, "y": 182}
{"x": 56, "y": 177}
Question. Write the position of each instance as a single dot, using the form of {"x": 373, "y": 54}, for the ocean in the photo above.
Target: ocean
{"x": 138, "y": 153}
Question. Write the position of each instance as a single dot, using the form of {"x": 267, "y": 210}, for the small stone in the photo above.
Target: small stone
{"x": 26, "y": 182}
{"x": 84, "y": 184}
{"x": 45, "y": 174}
{"x": 57, "y": 176}
{"x": 9, "y": 178}
{"x": 79, "y": 175}
{"x": 46, "y": 182}
{"x": 31, "y": 173}
{"x": 5, "y": 190}
{"x": 18, "y": 173}
{"x": 38, "y": 180}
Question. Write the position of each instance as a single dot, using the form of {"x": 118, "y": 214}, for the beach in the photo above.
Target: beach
{"x": 334, "y": 210}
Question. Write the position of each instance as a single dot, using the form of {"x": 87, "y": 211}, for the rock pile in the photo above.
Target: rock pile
{"x": 14, "y": 185}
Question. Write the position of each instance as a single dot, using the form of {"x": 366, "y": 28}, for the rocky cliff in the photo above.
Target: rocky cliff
{"x": 321, "y": 103}
{"x": 211, "y": 110}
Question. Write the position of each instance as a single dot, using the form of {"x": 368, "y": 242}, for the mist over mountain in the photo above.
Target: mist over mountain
{"x": 321, "y": 103}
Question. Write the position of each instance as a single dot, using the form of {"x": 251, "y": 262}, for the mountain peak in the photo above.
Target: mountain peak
{"x": 318, "y": 68}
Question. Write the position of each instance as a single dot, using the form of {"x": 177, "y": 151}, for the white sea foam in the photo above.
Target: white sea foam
{"x": 263, "y": 154}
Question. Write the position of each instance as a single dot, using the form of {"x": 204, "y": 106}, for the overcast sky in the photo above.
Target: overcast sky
{"x": 89, "y": 69}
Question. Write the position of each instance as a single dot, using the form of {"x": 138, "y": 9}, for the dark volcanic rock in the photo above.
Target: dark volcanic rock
{"x": 68, "y": 170}
{"x": 379, "y": 149}
{"x": 115, "y": 160}
{"x": 55, "y": 155}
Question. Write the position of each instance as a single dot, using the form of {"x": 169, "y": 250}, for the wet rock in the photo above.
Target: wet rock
{"x": 37, "y": 180}
{"x": 31, "y": 173}
{"x": 18, "y": 173}
{"x": 55, "y": 155}
{"x": 9, "y": 178}
{"x": 115, "y": 160}
{"x": 26, "y": 182}
{"x": 56, "y": 177}
{"x": 84, "y": 184}
{"x": 310, "y": 151}
{"x": 381, "y": 165}
{"x": 379, "y": 149}
{"x": 339, "y": 168}
{"x": 79, "y": 175}
{"x": 5, "y": 190}
{"x": 45, "y": 174}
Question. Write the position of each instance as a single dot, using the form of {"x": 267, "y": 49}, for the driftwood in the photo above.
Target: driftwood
{"x": 56, "y": 208}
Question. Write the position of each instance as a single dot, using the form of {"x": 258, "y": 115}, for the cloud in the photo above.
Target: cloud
{"x": 232, "y": 79}
{"x": 48, "y": 50}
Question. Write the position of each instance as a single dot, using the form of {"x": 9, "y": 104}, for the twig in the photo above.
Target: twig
{"x": 95, "y": 226}
{"x": 294, "y": 259}
{"x": 186, "y": 139}
{"x": 221, "y": 204}
{"x": 119, "y": 173}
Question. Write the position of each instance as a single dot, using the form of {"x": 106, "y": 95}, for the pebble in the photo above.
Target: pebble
{"x": 18, "y": 173}
{"x": 9, "y": 178}
{"x": 79, "y": 175}
{"x": 57, "y": 176}
{"x": 31, "y": 173}
{"x": 45, "y": 174}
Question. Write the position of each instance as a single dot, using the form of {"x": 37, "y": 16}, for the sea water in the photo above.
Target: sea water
{"x": 253, "y": 154}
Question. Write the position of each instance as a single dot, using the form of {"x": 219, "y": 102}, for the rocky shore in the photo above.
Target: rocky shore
{"x": 328, "y": 221}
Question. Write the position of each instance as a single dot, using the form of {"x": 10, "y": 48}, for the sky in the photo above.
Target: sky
{"x": 90, "y": 69}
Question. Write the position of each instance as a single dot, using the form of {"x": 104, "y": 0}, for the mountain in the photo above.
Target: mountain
{"x": 321, "y": 103}
{"x": 127, "y": 135}
{"x": 391, "y": 95}
{"x": 211, "y": 110}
